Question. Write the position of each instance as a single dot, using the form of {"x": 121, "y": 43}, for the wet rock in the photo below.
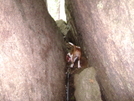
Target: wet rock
{"x": 86, "y": 86}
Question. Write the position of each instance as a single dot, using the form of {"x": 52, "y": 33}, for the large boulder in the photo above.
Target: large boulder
{"x": 87, "y": 88}
{"x": 106, "y": 28}
{"x": 31, "y": 54}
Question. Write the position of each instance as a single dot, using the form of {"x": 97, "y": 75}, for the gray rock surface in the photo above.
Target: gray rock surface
{"x": 64, "y": 28}
{"x": 86, "y": 86}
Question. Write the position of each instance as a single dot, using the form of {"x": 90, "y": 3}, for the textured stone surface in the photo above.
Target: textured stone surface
{"x": 64, "y": 28}
{"x": 106, "y": 28}
{"x": 31, "y": 54}
{"x": 87, "y": 88}
{"x": 73, "y": 37}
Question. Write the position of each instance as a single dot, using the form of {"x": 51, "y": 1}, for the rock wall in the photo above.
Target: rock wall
{"x": 72, "y": 34}
{"x": 31, "y": 53}
{"x": 106, "y": 28}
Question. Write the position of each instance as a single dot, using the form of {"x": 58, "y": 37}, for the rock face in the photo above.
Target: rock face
{"x": 63, "y": 27}
{"x": 31, "y": 54}
{"x": 106, "y": 28}
{"x": 87, "y": 88}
